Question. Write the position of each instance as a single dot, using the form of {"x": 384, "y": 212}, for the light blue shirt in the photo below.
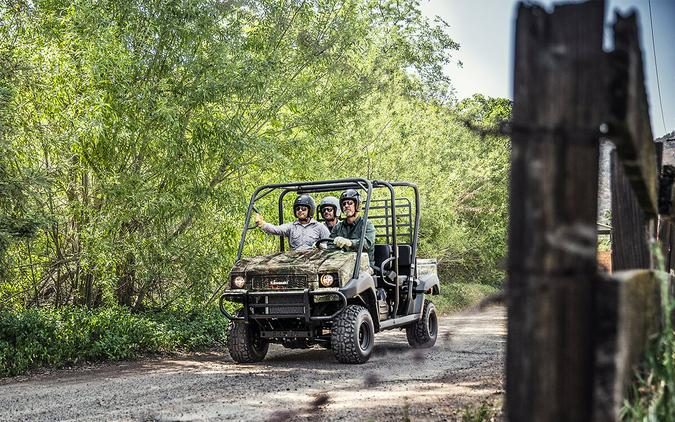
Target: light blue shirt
{"x": 300, "y": 236}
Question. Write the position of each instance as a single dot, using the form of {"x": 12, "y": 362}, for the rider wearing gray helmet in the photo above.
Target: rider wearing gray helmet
{"x": 329, "y": 209}
{"x": 302, "y": 233}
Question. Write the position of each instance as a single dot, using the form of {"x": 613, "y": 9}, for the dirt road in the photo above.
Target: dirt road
{"x": 463, "y": 369}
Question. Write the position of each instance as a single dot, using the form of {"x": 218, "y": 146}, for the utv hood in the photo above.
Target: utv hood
{"x": 310, "y": 262}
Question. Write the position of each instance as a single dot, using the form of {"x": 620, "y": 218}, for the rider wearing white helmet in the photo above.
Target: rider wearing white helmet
{"x": 329, "y": 209}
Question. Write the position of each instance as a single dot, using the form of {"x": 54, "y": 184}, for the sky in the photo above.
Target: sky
{"x": 484, "y": 29}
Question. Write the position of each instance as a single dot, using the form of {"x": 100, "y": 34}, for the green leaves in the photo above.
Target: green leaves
{"x": 132, "y": 134}
{"x": 137, "y": 131}
{"x": 462, "y": 174}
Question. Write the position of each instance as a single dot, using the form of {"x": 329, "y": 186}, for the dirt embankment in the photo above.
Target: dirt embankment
{"x": 464, "y": 369}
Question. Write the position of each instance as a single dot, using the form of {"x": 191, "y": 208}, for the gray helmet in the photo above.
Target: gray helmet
{"x": 332, "y": 202}
{"x": 352, "y": 194}
{"x": 307, "y": 201}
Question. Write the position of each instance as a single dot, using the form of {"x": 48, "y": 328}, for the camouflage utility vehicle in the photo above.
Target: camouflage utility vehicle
{"x": 328, "y": 297}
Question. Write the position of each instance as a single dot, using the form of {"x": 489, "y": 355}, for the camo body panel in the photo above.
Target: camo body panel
{"x": 306, "y": 262}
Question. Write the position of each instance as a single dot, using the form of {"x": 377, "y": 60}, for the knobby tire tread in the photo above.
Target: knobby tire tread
{"x": 418, "y": 332}
{"x": 344, "y": 338}
{"x": 240, "y": 346}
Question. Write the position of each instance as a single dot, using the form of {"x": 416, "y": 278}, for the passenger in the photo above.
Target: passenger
{"x": 347, "y": 233}
{"x": 302, "y": 233}
{"x": 329, "y": 208}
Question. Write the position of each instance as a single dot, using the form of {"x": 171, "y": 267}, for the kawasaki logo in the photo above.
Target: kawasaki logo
{"x": 279, "y": 283}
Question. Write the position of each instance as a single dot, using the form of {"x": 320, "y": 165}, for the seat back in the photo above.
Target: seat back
{"x": 404, "y": 259}
{"x": 381, "y": 253}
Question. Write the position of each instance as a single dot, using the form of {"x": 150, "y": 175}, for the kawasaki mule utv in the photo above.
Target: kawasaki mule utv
{"x": 328, "y": 297}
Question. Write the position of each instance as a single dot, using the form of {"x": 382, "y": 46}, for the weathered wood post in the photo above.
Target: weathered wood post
{"x": 575, "y": 335}
{"x": 630, "y": 234}
{"x": 634, "y": 181}
{"x": 627, "y": 305}
{"x": 558, "y": 107}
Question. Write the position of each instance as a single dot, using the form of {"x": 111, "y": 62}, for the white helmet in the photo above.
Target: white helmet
{"x": 330, "y": 201}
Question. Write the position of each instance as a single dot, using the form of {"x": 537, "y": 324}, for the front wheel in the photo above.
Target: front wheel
{"x": 244, "y": 342}
{"x": 422, "y": 334}
{"x": 353, "y": 335}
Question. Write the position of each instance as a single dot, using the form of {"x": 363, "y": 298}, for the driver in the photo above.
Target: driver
{"x": 302, "y": 233}
{"x": 347, "y": 233}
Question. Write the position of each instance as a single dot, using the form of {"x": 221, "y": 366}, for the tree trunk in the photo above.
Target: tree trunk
{"x": 126, "y": 275}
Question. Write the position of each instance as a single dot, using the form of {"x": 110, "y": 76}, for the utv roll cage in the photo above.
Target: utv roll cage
{"x": 389, "y": 207}
{"x": 386, "y": 215}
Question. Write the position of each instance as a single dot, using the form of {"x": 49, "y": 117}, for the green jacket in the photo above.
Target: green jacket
{"x": 353, "y": 233}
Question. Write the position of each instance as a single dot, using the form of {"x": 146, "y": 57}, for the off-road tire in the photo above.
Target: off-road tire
{"x": 423, "y": 333}
{"x": 244, "y": 342}
{"x": 353, "y": 335}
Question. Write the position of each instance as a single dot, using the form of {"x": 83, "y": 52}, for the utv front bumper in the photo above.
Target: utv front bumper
{"x": 297, "y": 304}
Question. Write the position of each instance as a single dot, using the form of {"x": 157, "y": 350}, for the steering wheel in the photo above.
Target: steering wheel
{"x": 330, "y": 244}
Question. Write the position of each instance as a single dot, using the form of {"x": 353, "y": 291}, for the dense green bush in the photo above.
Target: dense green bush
{"x": 57, "y": 337}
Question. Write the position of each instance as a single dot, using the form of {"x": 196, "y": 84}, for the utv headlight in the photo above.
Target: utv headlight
{"x": 327, "y": 280}
{"x": 239, "y": 282}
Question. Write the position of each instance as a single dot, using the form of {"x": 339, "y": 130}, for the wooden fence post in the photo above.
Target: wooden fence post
{"x": 627, "y": 314}
{"x": 558, "y": 106}
{"x": 630, "y": 238}
{"x": 627, "y": 306}
{"x": 630, "y": 130}
{"x": 575, "y": 336}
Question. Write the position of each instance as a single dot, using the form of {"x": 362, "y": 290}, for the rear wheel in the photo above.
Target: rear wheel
{"x": 353, "y": 335}
{"x": 244, "y": 342}
{"x": 423, "y": 333}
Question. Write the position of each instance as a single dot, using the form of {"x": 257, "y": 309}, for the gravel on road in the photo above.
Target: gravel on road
{"x": 463, "y": 370}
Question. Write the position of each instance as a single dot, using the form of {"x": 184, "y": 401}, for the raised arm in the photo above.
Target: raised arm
{"x": 281, "y": 230}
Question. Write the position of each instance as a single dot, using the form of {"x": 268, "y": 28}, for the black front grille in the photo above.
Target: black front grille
{"x": 278, "y": 282}
{"x": 278, "y": 300}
